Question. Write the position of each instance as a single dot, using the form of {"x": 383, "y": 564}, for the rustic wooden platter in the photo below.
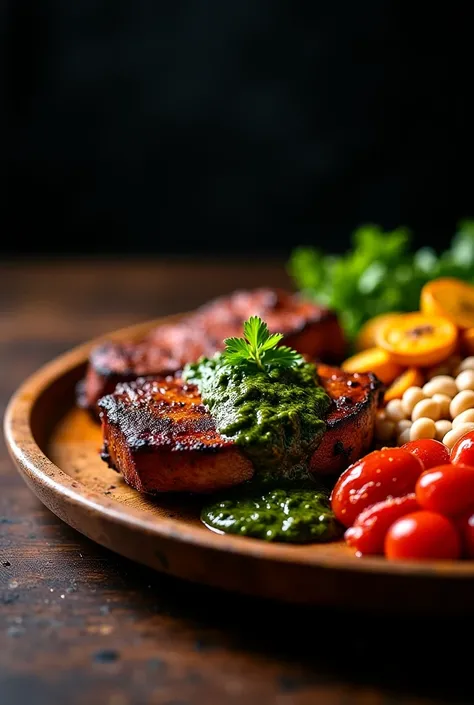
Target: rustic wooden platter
{"x": 55, "y": 446}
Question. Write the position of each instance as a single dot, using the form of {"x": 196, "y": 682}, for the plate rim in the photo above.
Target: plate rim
{"x": 32, "y": 463}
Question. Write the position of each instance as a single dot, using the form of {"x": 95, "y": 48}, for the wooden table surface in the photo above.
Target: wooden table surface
{"x": 80, "y": 625}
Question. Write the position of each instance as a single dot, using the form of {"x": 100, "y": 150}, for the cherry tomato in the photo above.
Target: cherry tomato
{"x": 423, "y": 535}
{"x": 390, "y": 472}
{"x": 465, "y": 525}
{"x": 463, "y": 450}
{"x": 447, "y": 489}
{"x": 429, "y": 451}
{"x": 367, "y": 535}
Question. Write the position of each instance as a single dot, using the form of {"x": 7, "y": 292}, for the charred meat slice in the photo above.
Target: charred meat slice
{"x": 350, "y": 421}
{"x": 307, "y": 327}
{"x": 166, "y": 353}
{"x": 159, "y": 435}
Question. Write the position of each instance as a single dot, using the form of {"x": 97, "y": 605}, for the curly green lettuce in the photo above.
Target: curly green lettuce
{"x": 380, "y": 273}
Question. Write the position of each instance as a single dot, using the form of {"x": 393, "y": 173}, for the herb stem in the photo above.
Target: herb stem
{"x": 256, "y": 355}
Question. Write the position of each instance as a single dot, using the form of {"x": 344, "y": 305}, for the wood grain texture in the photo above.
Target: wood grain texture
{"x": 80, "y": 625}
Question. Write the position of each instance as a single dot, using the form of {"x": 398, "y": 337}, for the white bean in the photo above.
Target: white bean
{"x": 465, "y": 380}
{"x": 456, "y": 433}
{"x": 422, "y": 428}
{"x": 384, "y": 429}
{"x": 465, "y": 417}
{"x": 444, "y": 401}
{"x": 441, "y": 384}
{"x": 427, "y": 408}
{"x": 403, "y": 437}
{"x": 394, "y": 410}
{"x": 467, "y": 364}
{"x": 411, "y": 397}
{"x": 462, "y": 401}
{"x": 442, "y": 428}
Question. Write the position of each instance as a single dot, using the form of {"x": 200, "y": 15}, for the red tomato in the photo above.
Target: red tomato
{"x": 465, "y": 526}
{"x": 391, "y": 472}
{"x": 463, "y": 450}
{"x": 447, "y": 489}
{"x": 430, "y": 452}
{"x": 368, "y": 533}
{"x": 422, "y": 535}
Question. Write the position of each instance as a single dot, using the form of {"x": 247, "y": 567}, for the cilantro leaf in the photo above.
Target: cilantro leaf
{"x": 271, "y": 341}
{"x": 236, "y": 346}
{"x": 259, "y": 347}
{"x": 256, "y": 331}
{"x": 282, "y": 356}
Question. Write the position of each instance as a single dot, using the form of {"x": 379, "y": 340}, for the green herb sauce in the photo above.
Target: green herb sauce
{"x": 276, "y": 415}
{"x": 286, "y": 515}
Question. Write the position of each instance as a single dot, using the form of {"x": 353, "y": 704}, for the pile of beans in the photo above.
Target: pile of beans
{"x": 442, "y": 409}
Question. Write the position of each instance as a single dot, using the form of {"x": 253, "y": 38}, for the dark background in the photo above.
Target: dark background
{"x": 232, "y": 126}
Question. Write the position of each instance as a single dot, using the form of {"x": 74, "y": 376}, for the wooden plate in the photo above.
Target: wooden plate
{"x": 55, "y": 447}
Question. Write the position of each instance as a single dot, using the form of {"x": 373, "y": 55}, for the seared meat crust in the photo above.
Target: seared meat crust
{"x": 307, "y": 327}
{"x": 160, "y": 436}
{"x": 350, "y": 420}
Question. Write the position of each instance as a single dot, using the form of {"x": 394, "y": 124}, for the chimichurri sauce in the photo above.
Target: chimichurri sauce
{"x": 286, "y": 515}
{"x": 276, "y": 416}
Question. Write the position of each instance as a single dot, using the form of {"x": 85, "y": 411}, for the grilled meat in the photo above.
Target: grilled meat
{"x": 350, "y": 420}
{"x": 163, "y": 352}
{"x": 160, "y": 436}
{"x": 308, "y": 328}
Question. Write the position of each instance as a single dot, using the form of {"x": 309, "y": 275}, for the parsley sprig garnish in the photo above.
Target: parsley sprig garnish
{"x": 259, "y": 347}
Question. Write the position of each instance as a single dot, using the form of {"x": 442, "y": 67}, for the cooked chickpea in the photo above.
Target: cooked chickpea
{"x": 444, "y": 401}
{"x": 411, "y": 397}
{"x": 403, "y": 425}
{"x": 404, "y": 437}
{"x": 462, "y": 401}
{"x": 465, "y": 417}
{"x": 465, "y": 380}
{"x": 467, "y": 364}
{"x": 422, "y": 428}
{"x": 384, "y": 429}
{"x": 455, "y": 434}
{"x": 426, "y": 408}
{"x": 394, "y": 410}
{"x": 442, "y": 428}
{"x": 442, "y": 384}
